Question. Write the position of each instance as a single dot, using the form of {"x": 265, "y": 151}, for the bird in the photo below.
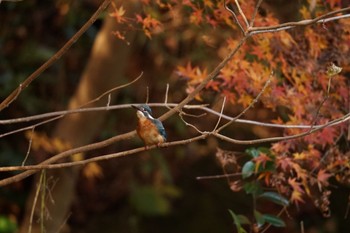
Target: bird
{"x": 149, "y": 129}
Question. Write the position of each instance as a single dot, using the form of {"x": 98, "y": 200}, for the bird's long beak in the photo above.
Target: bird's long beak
{"x": 136, "y": 107}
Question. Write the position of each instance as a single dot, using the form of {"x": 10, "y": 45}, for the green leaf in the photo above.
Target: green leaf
{"x": 253, "y": 152}
{"x": 243, "y": 219}
{"x": 274, "y": 220}
{"x": 275, "y": 198}
{"x": 259, "y": 218}
{"x": 248, "y": 169}
{"x": 7, "y": 225}
{"x": 253, "y": 188}
{"x": 238, "y": 220}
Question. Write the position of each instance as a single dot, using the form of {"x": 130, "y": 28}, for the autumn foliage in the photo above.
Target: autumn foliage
{"x": 302, "y": 95}
{"x": 229, "y": 59}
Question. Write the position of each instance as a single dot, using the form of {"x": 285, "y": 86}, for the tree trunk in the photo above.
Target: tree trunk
{"x": 103, "y": 71}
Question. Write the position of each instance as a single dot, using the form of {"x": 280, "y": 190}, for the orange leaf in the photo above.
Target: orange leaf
{"x": 118, "y": 14}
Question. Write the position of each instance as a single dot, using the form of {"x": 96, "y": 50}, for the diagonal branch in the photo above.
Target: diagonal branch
{"x": 5, "y": 103}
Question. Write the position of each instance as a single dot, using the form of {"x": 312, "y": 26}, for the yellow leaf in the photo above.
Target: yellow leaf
{"x": 245, "y": 100}
{"x": 92, "y": 170}
{"x": 77, "y": 157}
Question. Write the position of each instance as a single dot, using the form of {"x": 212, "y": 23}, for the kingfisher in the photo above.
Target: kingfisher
{"x": 149, "y": 129}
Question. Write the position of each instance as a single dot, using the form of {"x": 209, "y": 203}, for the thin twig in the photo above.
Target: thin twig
{"x": 219, "y": 176}
{"x": 111, "y": 90}
{"x": 34, "y": 203}
{"x": 282, "y": 138}
{"x": 222, "y": 109}
{"x": 188, "y": 124}
{"x": 242, "y": 13}
{"x": 108, "y": 101}
{"x": 166, "y": 93}
{"x": 235, "y": 17}
{"x": 255, "y": 13}
{"x": 43, "y": 198}
{"x": 29, "y": 147}
{"x": 332, "y": 71}
{"x": 302, "y": 230}
{"x": 320, "y": 19}
{"x": 278, "y": 215}
{"x": 30, "y": 127}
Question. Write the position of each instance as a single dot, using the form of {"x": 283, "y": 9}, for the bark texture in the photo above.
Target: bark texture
{"x": 104, "y": 71}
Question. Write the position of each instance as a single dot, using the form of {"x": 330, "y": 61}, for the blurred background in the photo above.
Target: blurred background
{"x": 153, "y": 191}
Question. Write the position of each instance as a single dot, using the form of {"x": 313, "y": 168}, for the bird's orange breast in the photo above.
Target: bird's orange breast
{"x": 149, "y": 133}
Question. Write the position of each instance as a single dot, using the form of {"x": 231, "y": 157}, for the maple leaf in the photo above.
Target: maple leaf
{"x": 208, "y": 3}
{"x": 120, "y": 36}
{"x": 196, "y": 16}
{"x": 326, "y": 136}
{"x": 266, "y": 176}
{"x": 262, "y": 159}
{"x": 300, "y": 172}
{"x": 92, "y": 171}
{"x": 300, "y": 156}
{"x": 211, "y": 21}
{"x": 118, "y": 13}
{"x": 194, "y": 74}
{"x": 305, "y": 13}
{"x": 284, "y": 162}
{"x": 149, "y": 24}
{"x": 322, "y": 177}
{"x": 297, "y": 192}
{"x": 245, "y": 100}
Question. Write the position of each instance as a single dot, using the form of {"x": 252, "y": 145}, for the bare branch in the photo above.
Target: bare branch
{"x": 188, "y": 124}
{"x": 29, "y": 147}
{"x": 235, "y": 17}
{"x": 255, "y": 13}
{"x": 242, "y": 13}
{"x": 222, "y": 109}
{"x": 166, "y": 93}
{"x": 47, "y": 164}
{"x": 284, "y": 26}
{"x": 122, "y": 106}
{"x": 108, "y": 101}
{"x": 30, "y": 127}
{"x": 112, "y": 90}
{"x": 38, "y": 189}
{"x": 283, "y": 138}
{"x": 218, "y": 176}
